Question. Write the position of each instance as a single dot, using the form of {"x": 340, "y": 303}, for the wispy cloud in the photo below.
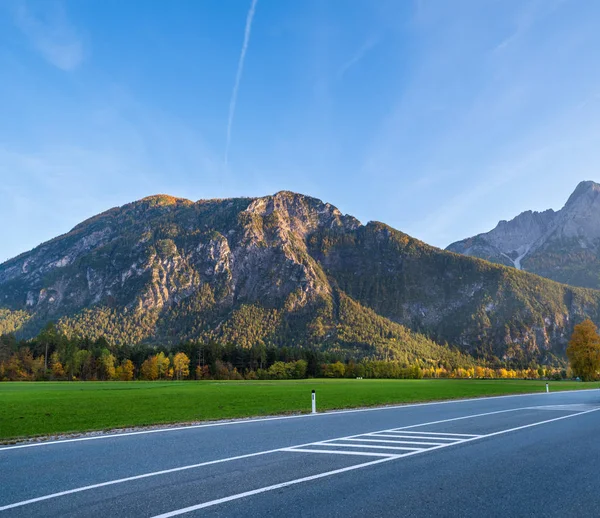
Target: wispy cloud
{"x": 358, "y": 55}
{"x": 51, "y": 34}
{"x": 111, "y": 151}
{"x": 530, "y": 14}
{"x": 238, "y": 76}
{"x": 440, "y": 223}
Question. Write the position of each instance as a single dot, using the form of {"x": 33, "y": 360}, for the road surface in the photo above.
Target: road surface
{"x": 534, "y": 455}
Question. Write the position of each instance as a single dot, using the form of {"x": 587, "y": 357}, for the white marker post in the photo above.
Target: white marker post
{"x": 314, "y": 402}
{"x": 547, "y": 388}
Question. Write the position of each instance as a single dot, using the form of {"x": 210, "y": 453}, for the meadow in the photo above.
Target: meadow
{"x": 30, "y": 409}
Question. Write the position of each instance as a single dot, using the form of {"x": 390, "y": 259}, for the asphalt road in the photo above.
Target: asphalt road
{"x": 532, "y": 455}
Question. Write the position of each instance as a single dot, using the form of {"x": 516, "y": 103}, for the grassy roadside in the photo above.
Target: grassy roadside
{"x": 28, "y": 408}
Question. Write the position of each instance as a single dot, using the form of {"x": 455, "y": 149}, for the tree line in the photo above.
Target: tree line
{"x": 53, "y": 356}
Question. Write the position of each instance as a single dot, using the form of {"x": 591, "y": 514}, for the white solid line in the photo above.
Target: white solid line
{"x": 437, "y": 433}
{"x": 155, "y": 473}
{"x": 452, "y": 419}
{"x": 277, "y": 418}
{"x": 400, "y": 442}
{"x": 340, "y": 452}
{"x": 192, "y": 466}
{"x": 453, "y": 439}
{"x": 537, "y": 424}
{"x": 271, "y": 488}
{"x": 363, "y": 446}
{"x": 358, "y": 466}
{"x": 135, "y": 477}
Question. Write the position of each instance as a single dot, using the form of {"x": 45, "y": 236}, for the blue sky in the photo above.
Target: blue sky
{"x": 439, "y": 118}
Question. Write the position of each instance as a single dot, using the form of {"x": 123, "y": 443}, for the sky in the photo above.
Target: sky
{"x": 438, "y": 118}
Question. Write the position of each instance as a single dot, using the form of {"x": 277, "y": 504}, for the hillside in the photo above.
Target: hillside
{"x": 285, "y": 269}
{"x": 563, "y": 245}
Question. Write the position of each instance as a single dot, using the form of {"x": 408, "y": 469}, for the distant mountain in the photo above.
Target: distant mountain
{"x": 563, "y": 245}
{"x": 287, "y": 270}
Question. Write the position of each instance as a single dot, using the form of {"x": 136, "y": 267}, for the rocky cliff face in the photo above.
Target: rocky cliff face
{"x": 284, "y": 269}
{"x": 563, "y": 245}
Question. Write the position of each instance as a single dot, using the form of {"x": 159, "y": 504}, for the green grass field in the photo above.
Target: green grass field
{"x": 29, "y": 409}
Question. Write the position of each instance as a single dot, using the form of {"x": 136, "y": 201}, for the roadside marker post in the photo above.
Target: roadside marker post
{"x": 547, "y": 388}
{"x": 314, "y": 402}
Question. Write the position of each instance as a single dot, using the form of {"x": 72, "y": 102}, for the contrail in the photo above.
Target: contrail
{"x": 238, "y": 76}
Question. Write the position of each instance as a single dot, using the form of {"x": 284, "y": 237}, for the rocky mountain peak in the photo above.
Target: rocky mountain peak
{"x": 586, "y": 193}
{"x": 580, "y": 217}
{"x": 300, "y": 213}
{"x": 563, "y": 245}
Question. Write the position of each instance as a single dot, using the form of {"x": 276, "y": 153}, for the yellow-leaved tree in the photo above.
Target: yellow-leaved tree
{"x": 163, "y": 365}
{"x": 124, "y": 372}
{"x": 149, "y": 369}
{"x": 583, "y": 351}
{"x": 181, "y": 366}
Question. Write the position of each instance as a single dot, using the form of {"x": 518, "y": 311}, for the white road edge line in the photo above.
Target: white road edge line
{"x": 277, "y": 418}
{"x": 218, "y": 461}
{"x": 351, "y": 468}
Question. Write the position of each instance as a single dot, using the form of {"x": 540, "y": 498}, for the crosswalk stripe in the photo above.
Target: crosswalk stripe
{"x": 431, "y": 437}
{"x": 341, "y": 452}
{"x": 367, "y": 446}
{"x": 400, "y": 430}
{"x": 399, "y": 442}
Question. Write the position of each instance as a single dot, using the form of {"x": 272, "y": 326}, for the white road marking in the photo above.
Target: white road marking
{"x": 271, "y": 488}
{"x": 431, "y": 437}
{"x": 399, "y": 442}
{"x": 131, "y": 479}
{"x": 342, "y": 452}
{"x": 364, "y": 446}
{"x": 277, "y": 418}
{"x": 565, "y": 408}
{"x": 403, "y": 431}
{"x": 212, "y": 503}
{"x": 228, "y": 459}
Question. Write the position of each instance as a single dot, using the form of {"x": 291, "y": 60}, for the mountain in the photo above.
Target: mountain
{"x": 285, "y": 269}
{"x": 563, "y": 246}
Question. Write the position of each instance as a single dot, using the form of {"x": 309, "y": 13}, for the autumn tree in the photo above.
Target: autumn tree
{"x": 124, "y": 372}
{"x": 163, "y": 365}
{"x": 107, "y": 365}
{"x": 584, "y": 351}
{"x": 82, "y": 364}
{"x": 57, "y": 367}
{"x": 149, "y": 369}
{"x": 181, "y": 366}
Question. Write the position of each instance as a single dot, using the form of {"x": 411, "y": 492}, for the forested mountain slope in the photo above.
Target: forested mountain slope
{"x": 282, "y": 269}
